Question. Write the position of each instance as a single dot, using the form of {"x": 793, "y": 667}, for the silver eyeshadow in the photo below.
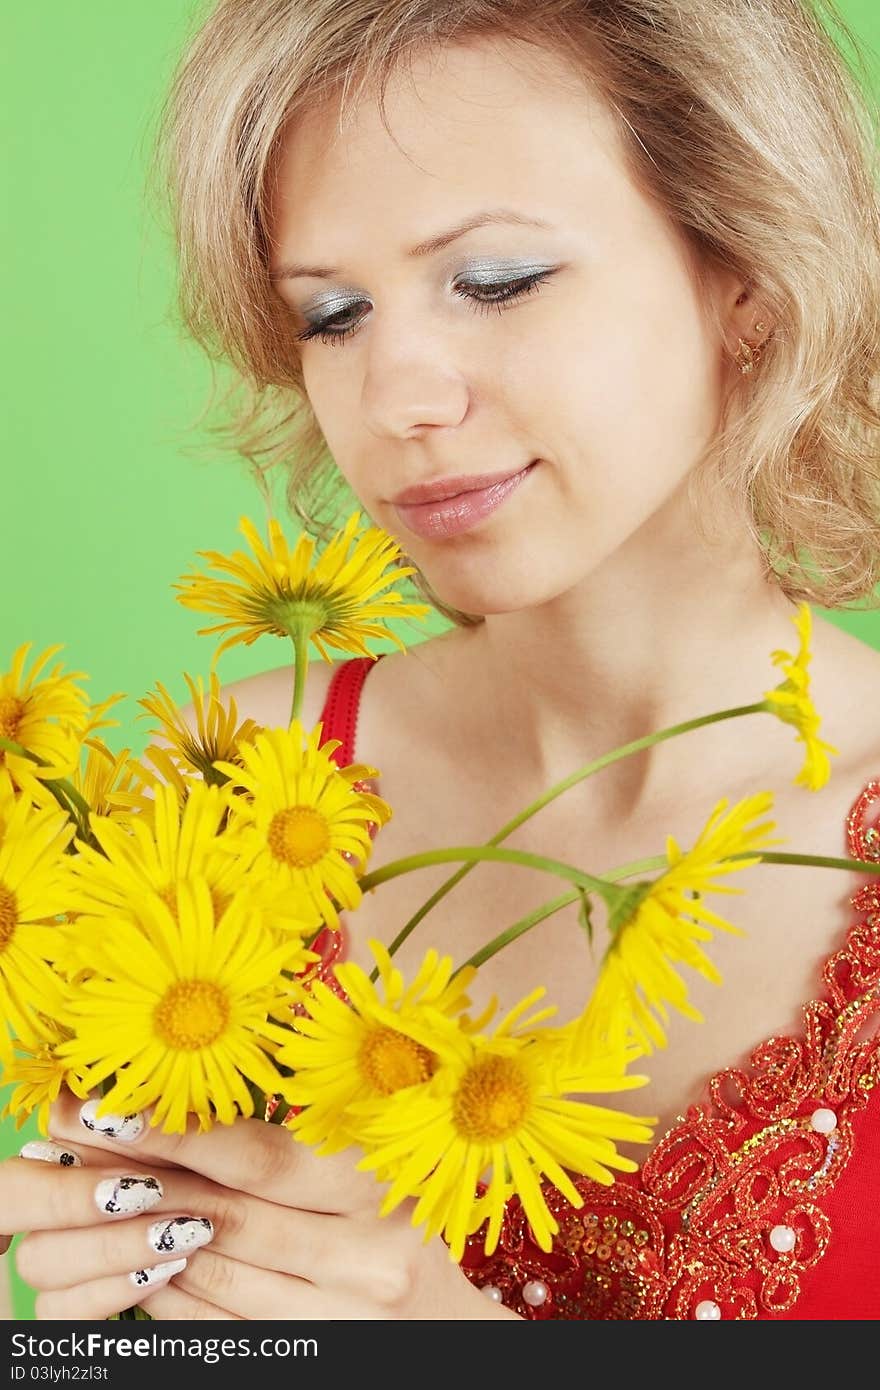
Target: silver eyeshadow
{"x": 477, "y": 272}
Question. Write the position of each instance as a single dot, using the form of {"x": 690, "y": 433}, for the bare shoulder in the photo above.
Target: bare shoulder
{"x": 845, "y": 679}
{"x": 266, "y": 697}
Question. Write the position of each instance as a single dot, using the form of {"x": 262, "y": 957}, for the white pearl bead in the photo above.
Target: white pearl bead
{"x": 707, "y": 1311}
{"x": 492, "y": 1292}
{"x": 823, "y": 1121}
{"x": 783, "y": 1239}
{"x": 535, "y": 1292}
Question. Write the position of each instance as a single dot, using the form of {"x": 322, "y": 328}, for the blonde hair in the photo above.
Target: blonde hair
{"x": 742, "y": 117}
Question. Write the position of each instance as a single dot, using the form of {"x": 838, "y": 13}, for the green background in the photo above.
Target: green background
{"x": 104, "y": 502}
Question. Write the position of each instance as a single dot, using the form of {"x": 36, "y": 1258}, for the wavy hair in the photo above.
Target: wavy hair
{"x": 750, "y": 121}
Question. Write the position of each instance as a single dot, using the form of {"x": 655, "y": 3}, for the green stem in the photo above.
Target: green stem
{"x": 518, "y": 929}
{"x": 640, "y": 867}
{"x": 476, "y": 853}
{"x": 819, "y": 861}
{"x": 64, "y": 792}
{"x": 580, "y": 775}
{"x": 300, "y": 638}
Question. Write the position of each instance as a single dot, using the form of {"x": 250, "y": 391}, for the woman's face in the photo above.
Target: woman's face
{"x": 606, "y": 369}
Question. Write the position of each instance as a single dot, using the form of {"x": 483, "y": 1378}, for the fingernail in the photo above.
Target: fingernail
{"x": 180, "y": 1233}
{"x": 50, "y": 1153}
{"x": 123, "y": 1127}
{"x": 156, "y": 1274}
{"x": 127, "y": 1194}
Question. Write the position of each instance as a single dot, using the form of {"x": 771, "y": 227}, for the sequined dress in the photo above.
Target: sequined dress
{"x": 763, "y": 1200}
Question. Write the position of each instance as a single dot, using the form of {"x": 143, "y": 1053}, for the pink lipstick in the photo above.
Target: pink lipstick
{"x": 460, "y": 511}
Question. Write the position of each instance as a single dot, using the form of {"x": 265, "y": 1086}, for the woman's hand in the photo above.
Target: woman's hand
{"x": 267, "y": 1230}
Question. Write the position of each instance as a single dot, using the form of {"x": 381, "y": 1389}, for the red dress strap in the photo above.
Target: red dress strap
{"x": 342, "y": 704}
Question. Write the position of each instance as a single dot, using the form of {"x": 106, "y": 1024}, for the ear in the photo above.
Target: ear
{"x": 745, "y": 318}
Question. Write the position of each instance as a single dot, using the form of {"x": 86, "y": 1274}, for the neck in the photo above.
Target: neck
{"x": 552, "y": 687}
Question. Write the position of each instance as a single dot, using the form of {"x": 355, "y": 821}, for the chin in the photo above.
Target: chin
{"x": 489, "y": 595}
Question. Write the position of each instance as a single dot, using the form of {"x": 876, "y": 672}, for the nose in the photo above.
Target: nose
{"x": 408, "y": 387}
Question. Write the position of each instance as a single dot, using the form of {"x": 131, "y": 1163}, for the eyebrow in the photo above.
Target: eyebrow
{"x": 424, "y": 248}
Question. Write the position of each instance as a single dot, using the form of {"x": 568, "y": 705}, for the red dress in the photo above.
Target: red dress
{"x": 763, "y": 1201}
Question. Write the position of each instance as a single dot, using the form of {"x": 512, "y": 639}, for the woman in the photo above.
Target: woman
{"x": 662, "y": 439}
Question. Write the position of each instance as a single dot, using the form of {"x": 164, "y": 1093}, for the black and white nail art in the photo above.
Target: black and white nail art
{"x": 50, "y": 1153}
{"x": 156, "y": 1274}
{"x": 180, "y": 1233}
{"x": 122, "y": 1127}
{"x": 128, "y": 1194}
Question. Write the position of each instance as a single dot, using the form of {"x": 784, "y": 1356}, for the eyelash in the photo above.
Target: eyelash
{"x": 511, "y": 290}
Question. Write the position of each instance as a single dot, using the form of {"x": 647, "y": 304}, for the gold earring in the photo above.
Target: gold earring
{"x": 760, "y": 328}
{"x": 746, "y": 356}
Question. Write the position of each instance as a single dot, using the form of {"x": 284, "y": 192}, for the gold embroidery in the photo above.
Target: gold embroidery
{"x": 758, "y": 1157}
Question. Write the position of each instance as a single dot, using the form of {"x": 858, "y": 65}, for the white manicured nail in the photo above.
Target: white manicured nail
{"x": 180, "y": 1233}
{"x": 50, "y": 1153}
{"x": 156, "y": 1274}
{"x": 125, "y": 1128}
{"x": 127, "y": 1195}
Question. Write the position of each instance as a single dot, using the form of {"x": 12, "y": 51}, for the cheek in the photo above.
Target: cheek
{"x": 639, "y": 406}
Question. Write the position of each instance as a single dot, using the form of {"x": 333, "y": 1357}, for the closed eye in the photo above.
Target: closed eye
{"x": 336, "y": 328}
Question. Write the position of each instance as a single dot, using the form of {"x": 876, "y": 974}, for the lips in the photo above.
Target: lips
{"x": 444, "y": 488}
{"x": 452, "y": 515}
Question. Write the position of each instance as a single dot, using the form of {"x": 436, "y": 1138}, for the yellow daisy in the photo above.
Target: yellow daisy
{"x": 178, "y": 1010}
{"x": 218, "y": 733}
{"x": 378, "y": 1043}
{"x": 33, "y": 891}
{"x": 156, "y": 767}
{"x": 104, "y": 775}
{"x": 36, "y": 794}
{"x": 176, "y": 842}
{"x": 37, "y": 1076}
{"x": 48, "y": 717}
{"x": 499, "y": 1110}
{"x": 791, "y": 703}
{"x": 337, "y": 599}
{"x": 664, "y": 922}
{"x": 303, "y": 816}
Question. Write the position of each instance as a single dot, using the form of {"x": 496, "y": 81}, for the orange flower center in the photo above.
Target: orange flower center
{"x": 390, "y": 1061}
{"x": 11, "y": 713}
{"x": 192, "y": 1014}
{"x": 492, "y": 1100}
{"x": 299, "y": 836}
{"x": 8, "y": 915}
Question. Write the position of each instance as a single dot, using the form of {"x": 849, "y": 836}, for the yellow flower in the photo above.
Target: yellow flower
{"x": 48, "y": 717}
{"x": 33, "y": 878}
{"x": 337, "y": 599}
{"x": 498, "y": 1110}
{"x": 791, "y": 703}
{"x": 36, "y": 794}
{"x": 38, "y": 1076}
{"x": 178, "y": 1009}
{"x": 639, "y": 977}
{"x": 176, "y": 842}
{"x": 379, "y": 1043}
{"x": 105, "y": 775}
{"x": 218, "y": 734}
{"x": 303, "y": 816}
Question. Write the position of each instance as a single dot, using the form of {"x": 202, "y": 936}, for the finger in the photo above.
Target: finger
{"x": 95, "y": 1130}
{"x": 342, "y": 1254}
{"x": 102, "y": 1298}
{"x": 55, "y": 1259}
{"x": 251, "y": 1155}
{"x": 170, "y": 1303}
{"x": 251, "y": 1293}
{"x": 64, "y": 1155}
{"x": 38, "y": 1196}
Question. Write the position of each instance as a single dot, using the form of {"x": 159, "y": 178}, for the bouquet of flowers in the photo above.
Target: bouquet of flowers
{"x": 158, "y": 918}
